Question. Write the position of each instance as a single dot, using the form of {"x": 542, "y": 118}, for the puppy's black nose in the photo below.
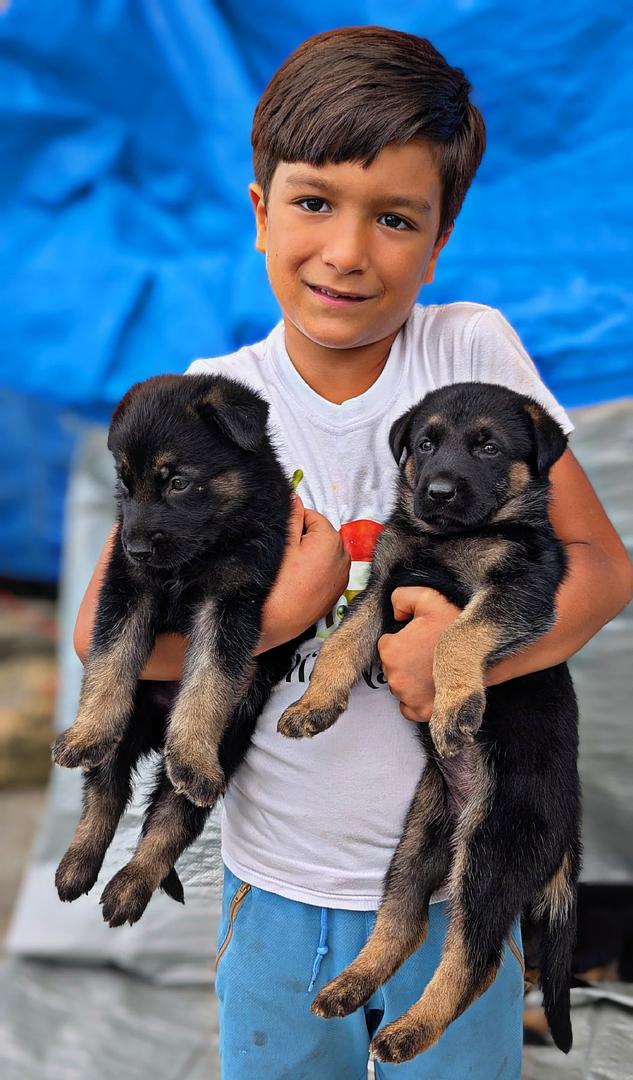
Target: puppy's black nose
{"x": 139, "y": 552}
{"x": 441, "y": 491}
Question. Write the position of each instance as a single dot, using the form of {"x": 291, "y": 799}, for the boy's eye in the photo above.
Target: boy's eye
{"x": 309, "y": 204}
{"x": 394, "y": 221}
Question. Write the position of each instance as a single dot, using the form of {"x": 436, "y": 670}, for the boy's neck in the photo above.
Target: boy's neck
{"x": 336, "y": 374}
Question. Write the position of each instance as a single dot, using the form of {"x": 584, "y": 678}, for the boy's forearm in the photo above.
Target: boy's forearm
{"x": 596, "y": 588}
{"x": 168, "y": 655}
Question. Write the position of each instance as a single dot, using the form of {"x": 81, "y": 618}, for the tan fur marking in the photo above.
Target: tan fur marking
{"x": 473, "y": 559}
{"x": 557, "y": 898}
{"x": 534, "y": 412}
{"x": 163, "y": 461}
{"x": 409, "y": 470}
{"x": 519, "y": 478}
{"x": 345, "y": 655}
{"x": 205, "y": 700}
{"x": 157, "y": 851}
{"x": 450, "y": 991}
{"x": 109, "y": 683}
{"x": 460, "y": 654}
{"x": 473, "y": 814}
{"x": 229, "y": 486}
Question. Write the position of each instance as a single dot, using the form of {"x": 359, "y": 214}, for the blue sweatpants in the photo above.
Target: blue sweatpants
{"x": 275, "y": 954}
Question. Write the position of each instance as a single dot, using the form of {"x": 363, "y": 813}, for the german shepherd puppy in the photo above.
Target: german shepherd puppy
{"x": 203, "y": 511}
{"x": 498, "y": 804}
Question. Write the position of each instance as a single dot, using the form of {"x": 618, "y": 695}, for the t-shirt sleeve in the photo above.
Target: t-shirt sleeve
{"x": 497, "y": 355}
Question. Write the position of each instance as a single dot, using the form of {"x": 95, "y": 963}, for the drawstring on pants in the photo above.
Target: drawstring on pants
{"x": 322, "y": 948}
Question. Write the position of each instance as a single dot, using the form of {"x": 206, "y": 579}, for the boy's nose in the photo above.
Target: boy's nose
{"x": 345, "y": 249}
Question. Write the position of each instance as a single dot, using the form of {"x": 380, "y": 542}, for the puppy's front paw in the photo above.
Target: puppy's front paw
{"x": 454, "y": 726}
{"x": 73, "y": 752}
{"x": 125, "y": 897}
{"x": 202, "y": 786}
{"x": 298, "y": 723}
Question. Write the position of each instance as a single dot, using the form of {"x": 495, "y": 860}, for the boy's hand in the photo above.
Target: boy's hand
{"x": 407, "y": 657}
{"x": 313, "y": 575}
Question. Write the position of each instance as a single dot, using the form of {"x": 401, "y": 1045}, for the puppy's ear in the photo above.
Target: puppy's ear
{"x": 240, "y": 413}
{"x": 399, "y": 435}
{"x": 120, "y": 409}
{"x": 550, "y": 441}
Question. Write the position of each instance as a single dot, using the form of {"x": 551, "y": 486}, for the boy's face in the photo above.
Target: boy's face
{"x": 365, "y": 233}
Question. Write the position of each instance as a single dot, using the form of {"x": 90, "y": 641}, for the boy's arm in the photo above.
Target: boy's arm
{"x": 313, "y": 575}
{"x": 598, "y": 585}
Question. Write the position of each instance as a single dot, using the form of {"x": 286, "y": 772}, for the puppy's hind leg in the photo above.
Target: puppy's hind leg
{"x": 491, "y": 880}
{"x": 417, "y": 868}
{"x": 107, "y": 791}
{"x": 171, "y": 824}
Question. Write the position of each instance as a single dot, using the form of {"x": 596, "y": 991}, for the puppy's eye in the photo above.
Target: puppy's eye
{"x": 490, "y": 449}
{"x": 425, "y": 446}
{"x": 178, "y": 483}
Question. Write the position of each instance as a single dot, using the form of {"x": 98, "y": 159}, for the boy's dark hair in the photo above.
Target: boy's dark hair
{"x": 346, "y": 94}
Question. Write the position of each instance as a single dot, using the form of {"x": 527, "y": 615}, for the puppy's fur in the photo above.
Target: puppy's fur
{"x": 497, "y": 807}
{"x": 203, "y": 510}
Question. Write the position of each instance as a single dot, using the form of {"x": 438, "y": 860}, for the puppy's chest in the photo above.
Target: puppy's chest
{"x": 457, "y": 568}
{"x": 473, "y": 560}
{"x": 177, "y": 603}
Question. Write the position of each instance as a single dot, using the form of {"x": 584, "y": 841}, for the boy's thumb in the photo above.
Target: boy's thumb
{"x": 295, "y": 524}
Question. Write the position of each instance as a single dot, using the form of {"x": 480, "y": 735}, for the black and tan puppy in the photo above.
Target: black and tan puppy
{"x": 497, "y": 807}
{"x": 203, "y": 510}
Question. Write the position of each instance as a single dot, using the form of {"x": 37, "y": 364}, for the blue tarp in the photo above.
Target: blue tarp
{"x": 127, "y": 240}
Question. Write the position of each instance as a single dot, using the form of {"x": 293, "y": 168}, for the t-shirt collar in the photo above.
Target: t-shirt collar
{"x": 364, "y": 407}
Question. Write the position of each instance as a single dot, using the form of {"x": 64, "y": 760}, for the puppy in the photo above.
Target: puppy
{"x": 203, "y": 511}
{"x": 498, "y": 804}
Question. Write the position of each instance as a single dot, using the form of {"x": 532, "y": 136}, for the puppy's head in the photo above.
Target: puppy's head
{"x": 473, "y": 452}
{"x": 183, "y": 445}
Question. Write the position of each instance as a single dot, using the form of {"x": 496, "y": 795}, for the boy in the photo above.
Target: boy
{"x": 365, "y": 143}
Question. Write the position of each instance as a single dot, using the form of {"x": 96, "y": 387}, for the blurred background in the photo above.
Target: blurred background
{"x": 127, "y": 249}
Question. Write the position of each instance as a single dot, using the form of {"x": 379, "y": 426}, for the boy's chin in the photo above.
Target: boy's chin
{"x": 338, "y": 332}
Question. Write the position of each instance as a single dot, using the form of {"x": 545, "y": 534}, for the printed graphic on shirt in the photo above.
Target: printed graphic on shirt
{"x": 359, "y": 540}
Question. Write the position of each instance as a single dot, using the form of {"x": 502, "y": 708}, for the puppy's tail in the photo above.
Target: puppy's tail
{"x": 555, "y": 916}
{"x": 172, "y": 885}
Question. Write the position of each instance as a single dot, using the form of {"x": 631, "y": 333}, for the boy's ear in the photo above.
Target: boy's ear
{"x": 257, "y": 199}
{"x": 439, "y": 244}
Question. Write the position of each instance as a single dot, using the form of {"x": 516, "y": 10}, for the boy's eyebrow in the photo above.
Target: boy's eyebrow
{"x": 301, "y": 180}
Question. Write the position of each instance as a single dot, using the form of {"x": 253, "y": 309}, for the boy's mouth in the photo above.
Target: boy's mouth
{"x": 333, "y": 296}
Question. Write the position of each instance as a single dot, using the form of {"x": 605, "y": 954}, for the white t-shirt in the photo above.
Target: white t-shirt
{"x": 317, "y": 820}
